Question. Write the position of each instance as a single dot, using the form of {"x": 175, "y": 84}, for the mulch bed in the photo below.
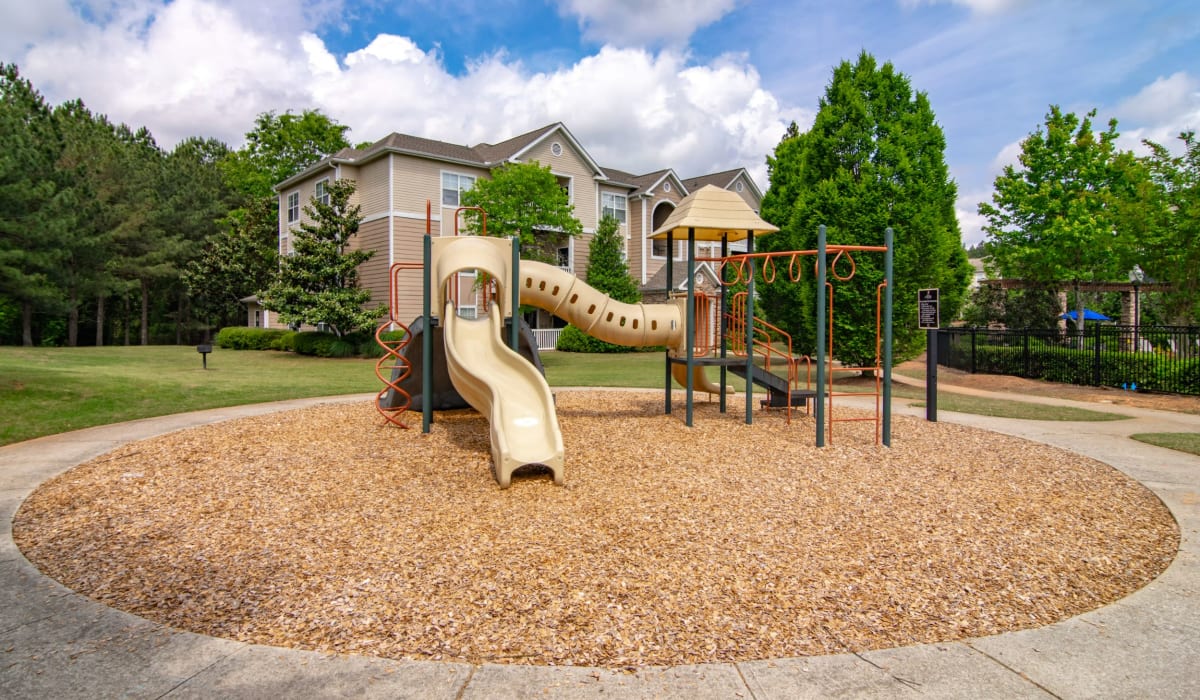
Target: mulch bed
{"x": 324, "y": 529}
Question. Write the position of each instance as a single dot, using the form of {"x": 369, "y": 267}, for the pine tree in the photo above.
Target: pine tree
{"x": 319, "y": 282}
{"x": 607, "y": 269}
{"x": 874, "y": 158}
{"x": 31, "y": 225}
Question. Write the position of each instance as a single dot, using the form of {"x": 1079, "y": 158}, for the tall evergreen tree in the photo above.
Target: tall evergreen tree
{"x": 31, "y": 229}
{"x": 607, "y": 269}
{"x": 874, "y": 158}
{"x": 319, "y": 282}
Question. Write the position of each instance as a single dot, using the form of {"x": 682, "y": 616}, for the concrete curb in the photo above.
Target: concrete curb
{"x": 55, "y": 643}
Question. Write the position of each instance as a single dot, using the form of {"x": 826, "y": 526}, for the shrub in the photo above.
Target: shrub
{"x": 368, "y": 347}
{"x": 243, "y": 338}
{"x": 571, "y": 339}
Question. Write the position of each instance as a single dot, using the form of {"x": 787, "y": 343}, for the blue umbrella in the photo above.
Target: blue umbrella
{"x": 1088, "y": 315}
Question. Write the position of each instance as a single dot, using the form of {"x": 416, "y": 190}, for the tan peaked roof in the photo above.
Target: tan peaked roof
{"x": 713, "y": 213}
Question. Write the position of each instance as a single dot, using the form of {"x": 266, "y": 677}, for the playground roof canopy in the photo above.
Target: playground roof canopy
{"x": 713, "y": 213}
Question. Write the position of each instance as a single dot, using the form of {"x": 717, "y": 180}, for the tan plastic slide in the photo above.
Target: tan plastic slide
{"x": 507, "y": 389}
{"x": 600, "y": 316}
{"x": 494, "y": 379}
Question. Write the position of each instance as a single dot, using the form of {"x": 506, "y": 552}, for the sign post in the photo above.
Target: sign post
{"x": 929, "y": 318}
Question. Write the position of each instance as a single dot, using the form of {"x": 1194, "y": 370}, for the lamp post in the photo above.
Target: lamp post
{"x": 1136, "y": 277}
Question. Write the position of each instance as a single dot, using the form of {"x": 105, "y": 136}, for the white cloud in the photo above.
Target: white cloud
{"x": 1009, "y": 155}
{"x": 637, "y": 23}
{"x": 970, "y": 221}
{"x": 1160, "y": 111}
{"x": 208, "y": 67}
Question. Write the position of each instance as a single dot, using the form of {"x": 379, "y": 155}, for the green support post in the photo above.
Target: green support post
{"x": 427, "y": 338}
{"x": 888, "y": 257}
{"x": 820, "y": 297}
{"x": 722, "y": 325}
{"x": 749, "y": 329}
{"x": 670, "y": 283}
{"x": 690, "y": 328}
{"x": 514, "y": 337}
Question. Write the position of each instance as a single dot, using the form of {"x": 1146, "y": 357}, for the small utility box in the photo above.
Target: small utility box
{"x": 204, "y": 350}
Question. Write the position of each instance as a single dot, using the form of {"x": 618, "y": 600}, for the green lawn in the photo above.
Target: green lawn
{"x": 1183, "y": 442}
{"x": 52, "y": 390}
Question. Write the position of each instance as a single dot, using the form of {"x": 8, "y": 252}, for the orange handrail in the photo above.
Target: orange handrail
{"x": 393, "y": 362}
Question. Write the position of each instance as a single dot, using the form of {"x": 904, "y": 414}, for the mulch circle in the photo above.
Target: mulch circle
{"x": 323, "y": 529}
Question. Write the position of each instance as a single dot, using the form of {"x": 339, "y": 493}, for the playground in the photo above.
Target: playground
{"x": 316, "y": 529}
{"x": 616, "y": 533}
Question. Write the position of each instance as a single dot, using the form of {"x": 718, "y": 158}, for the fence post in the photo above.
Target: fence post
{"x": 1027, "y": 367}
{"x": 1096, "y": 356}
{"x": 972, "y": 349}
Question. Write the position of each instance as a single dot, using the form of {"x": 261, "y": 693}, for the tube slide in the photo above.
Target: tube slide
{"x": 506, "y": 388}
{"x": 595, "y": 313}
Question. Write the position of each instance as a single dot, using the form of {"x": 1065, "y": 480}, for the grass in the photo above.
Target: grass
{"x": 1004, "y": 408}
{"x": 1182, "y": 442}
{"x": 52, "y": 390}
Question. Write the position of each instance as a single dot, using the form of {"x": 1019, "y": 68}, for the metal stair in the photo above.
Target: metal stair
{"x": 777, "y": 387}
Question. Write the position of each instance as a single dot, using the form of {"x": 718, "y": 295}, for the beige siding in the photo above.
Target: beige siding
{"x": 571, "y": 164}
{"x": 418, "y": 181}
{"x": 747, "y": 192}
{"x": 372, "y": 187}
{"x": 409, "y": 234}
{"x": 373, "y": 274}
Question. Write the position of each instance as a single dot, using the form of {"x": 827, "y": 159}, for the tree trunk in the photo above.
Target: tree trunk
{"x": 73, "y": 321}
{"x": 125, "y": 321}
{"x": 27, "y": 324}
{"x": 145, "y": 313}
{"x": 100, "y": 320}
{"x": 180, "y": 319}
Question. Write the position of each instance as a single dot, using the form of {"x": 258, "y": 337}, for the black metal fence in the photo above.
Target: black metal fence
{"x": 1143, "y": 358}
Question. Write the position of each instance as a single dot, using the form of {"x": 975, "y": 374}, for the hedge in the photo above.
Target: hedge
{"x": 304, "y": 343}
{"x": 243, "y": 338}
{"x": 1151, "y": 371}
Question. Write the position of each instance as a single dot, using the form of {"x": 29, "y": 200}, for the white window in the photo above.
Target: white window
{"x": 564, "y": 258}
{"x": 612, "y": 205}
{"x": 293, "y": 207}
{"x": 322, "y": 193}
{"x": 658, "y": 248}
{"x": 566, "y": 184}
{"x": 454, "y": 185}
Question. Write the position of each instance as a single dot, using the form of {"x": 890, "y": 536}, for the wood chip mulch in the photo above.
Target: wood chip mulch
{"x": 324, "y": 529}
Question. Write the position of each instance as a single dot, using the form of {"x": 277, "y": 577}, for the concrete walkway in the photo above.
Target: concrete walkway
{"x": 56, "y": 644}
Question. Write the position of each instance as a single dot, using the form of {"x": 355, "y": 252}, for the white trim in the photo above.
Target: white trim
{"x": 442, "y": 189}
{"x": 419, "y": 216}
{"x": 391, "y": 219}
{"x": 570, "y": 185}
{"x": 645, "y": 253}
{"x": 317, "y": 184}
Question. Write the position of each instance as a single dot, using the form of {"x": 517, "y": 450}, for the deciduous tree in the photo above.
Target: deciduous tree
{"x": 1053, "y": 218}
{"x": 524, "y": 200}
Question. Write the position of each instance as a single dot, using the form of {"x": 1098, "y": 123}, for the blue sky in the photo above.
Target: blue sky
{"x": 697, "y": 85}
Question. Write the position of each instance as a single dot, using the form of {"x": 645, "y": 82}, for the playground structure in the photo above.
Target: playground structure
{"x": 491, "y": 376}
